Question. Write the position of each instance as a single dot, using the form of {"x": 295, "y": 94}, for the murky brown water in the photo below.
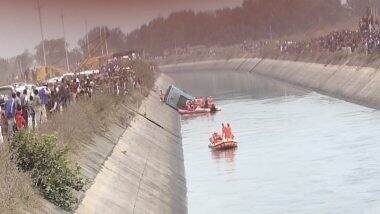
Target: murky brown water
{"x": 299, "y": 151}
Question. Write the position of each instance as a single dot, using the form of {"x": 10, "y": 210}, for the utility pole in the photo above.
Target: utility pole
{"x": 42, "y": 33}
{"x": 87, "y": 43}
{"x": 175, "y": 48}
{"x": 65, "y": 43}
{"x": 20, "y": 66}
{"x": 375, "y": 13}
{"x": 106, "y": 31}
{"x": 270, "y": 33}
{"x": 101, "y": 39}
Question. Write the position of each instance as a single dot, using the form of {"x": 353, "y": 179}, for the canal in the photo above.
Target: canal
{"x": 299, "y": 151}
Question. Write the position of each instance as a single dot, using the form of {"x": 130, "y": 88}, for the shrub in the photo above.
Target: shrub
{"x": 50, "y": 169}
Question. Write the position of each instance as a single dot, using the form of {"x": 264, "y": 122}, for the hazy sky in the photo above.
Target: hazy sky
{"x": 20, "y": 26}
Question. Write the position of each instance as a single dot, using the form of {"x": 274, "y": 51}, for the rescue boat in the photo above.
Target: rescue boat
{"x": 222, "y": 144}
{"x": 197, "y": 111}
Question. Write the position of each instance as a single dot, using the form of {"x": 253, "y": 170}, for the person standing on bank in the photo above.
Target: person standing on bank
{"x": 18, "y": 99}
{"x": 37, "y": 108}
{"x": 24, "y": 105}
{"x": 32, "y": 113}
{"x": 43, "y": 93}
{"x": 10, "y": 113}
{"x": 2, "y": 123}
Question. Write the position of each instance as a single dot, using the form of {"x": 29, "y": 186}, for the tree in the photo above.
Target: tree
{"x": 24, "y": 60}
{"x": 359, "y": 6}
{"x": 254, "y": 20}
{"x": 97, "y": 38}
{"x": 54, "y": 51}
{"x": 75, "y": 57}
{"x": 3, "y": 66}
{"x": 4, "y": 70}
{"x": 117, "y": 40}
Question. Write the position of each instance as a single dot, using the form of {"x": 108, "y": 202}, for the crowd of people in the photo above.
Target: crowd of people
{"x": 32, "y": 107}
{"x": 120, "y": 77}
{"x": 201, "y": 102}
{"x": 366, "y": 38}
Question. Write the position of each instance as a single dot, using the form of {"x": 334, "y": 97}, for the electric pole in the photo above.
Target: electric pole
{"x": 87, "y": 43}
{"x": 20, "y": 66}
{"x": 65, "y": 43}
{"x": 42, "y": 33}
{"x": 106, "y": 31}
{"x": 270, "y": 33}
{"x": 101, "y": 39}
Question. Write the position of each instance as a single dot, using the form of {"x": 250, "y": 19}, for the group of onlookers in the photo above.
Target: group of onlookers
{"x": 366, "y": 38}
{"x": 120, "y": 78}
{"x": 22, "y": 110}
{"x": 33, "y": 107}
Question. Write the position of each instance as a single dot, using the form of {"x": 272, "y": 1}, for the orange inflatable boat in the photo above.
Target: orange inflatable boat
{"x": 222, "y": 144}
{"x": 197, "y": 111}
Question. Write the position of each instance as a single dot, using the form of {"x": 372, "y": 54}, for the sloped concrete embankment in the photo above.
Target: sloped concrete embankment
{"x": 145, "y": 171}
{"x": 354, "y": 84}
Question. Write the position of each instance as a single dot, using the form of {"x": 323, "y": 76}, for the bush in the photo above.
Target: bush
{"x": 50, "y": 169}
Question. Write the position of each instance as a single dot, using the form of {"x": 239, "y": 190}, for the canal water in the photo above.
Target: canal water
{"x": 299, "y": 151}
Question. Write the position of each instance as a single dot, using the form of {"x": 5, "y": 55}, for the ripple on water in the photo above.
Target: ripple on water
{"x": 300, "y": 154}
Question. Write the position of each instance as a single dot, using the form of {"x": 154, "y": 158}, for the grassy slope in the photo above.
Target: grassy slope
{"x": 75, "y": 127}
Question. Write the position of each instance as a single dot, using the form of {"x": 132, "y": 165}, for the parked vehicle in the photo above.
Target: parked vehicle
{"x": 5, "y": 91}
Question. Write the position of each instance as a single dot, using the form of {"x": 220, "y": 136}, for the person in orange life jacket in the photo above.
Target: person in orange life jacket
{"x": 228, "y": 132}
{"x": 20, "y": 121}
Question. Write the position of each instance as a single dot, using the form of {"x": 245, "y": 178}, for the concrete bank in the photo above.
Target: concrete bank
{"x": 145, "y": 171}
{"x": 92, "y": 152}
{"x": 354, "y": 84}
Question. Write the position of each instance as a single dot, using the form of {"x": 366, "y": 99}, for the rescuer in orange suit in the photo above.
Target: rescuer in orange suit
{"x": 228, "y": 132}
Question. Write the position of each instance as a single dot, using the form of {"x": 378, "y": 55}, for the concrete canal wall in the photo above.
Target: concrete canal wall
{"x": 354, "y": 84}
{"x": 145, "y": 170}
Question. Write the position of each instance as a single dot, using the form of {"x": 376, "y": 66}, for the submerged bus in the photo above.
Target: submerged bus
{"x": 177, "y": 98}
